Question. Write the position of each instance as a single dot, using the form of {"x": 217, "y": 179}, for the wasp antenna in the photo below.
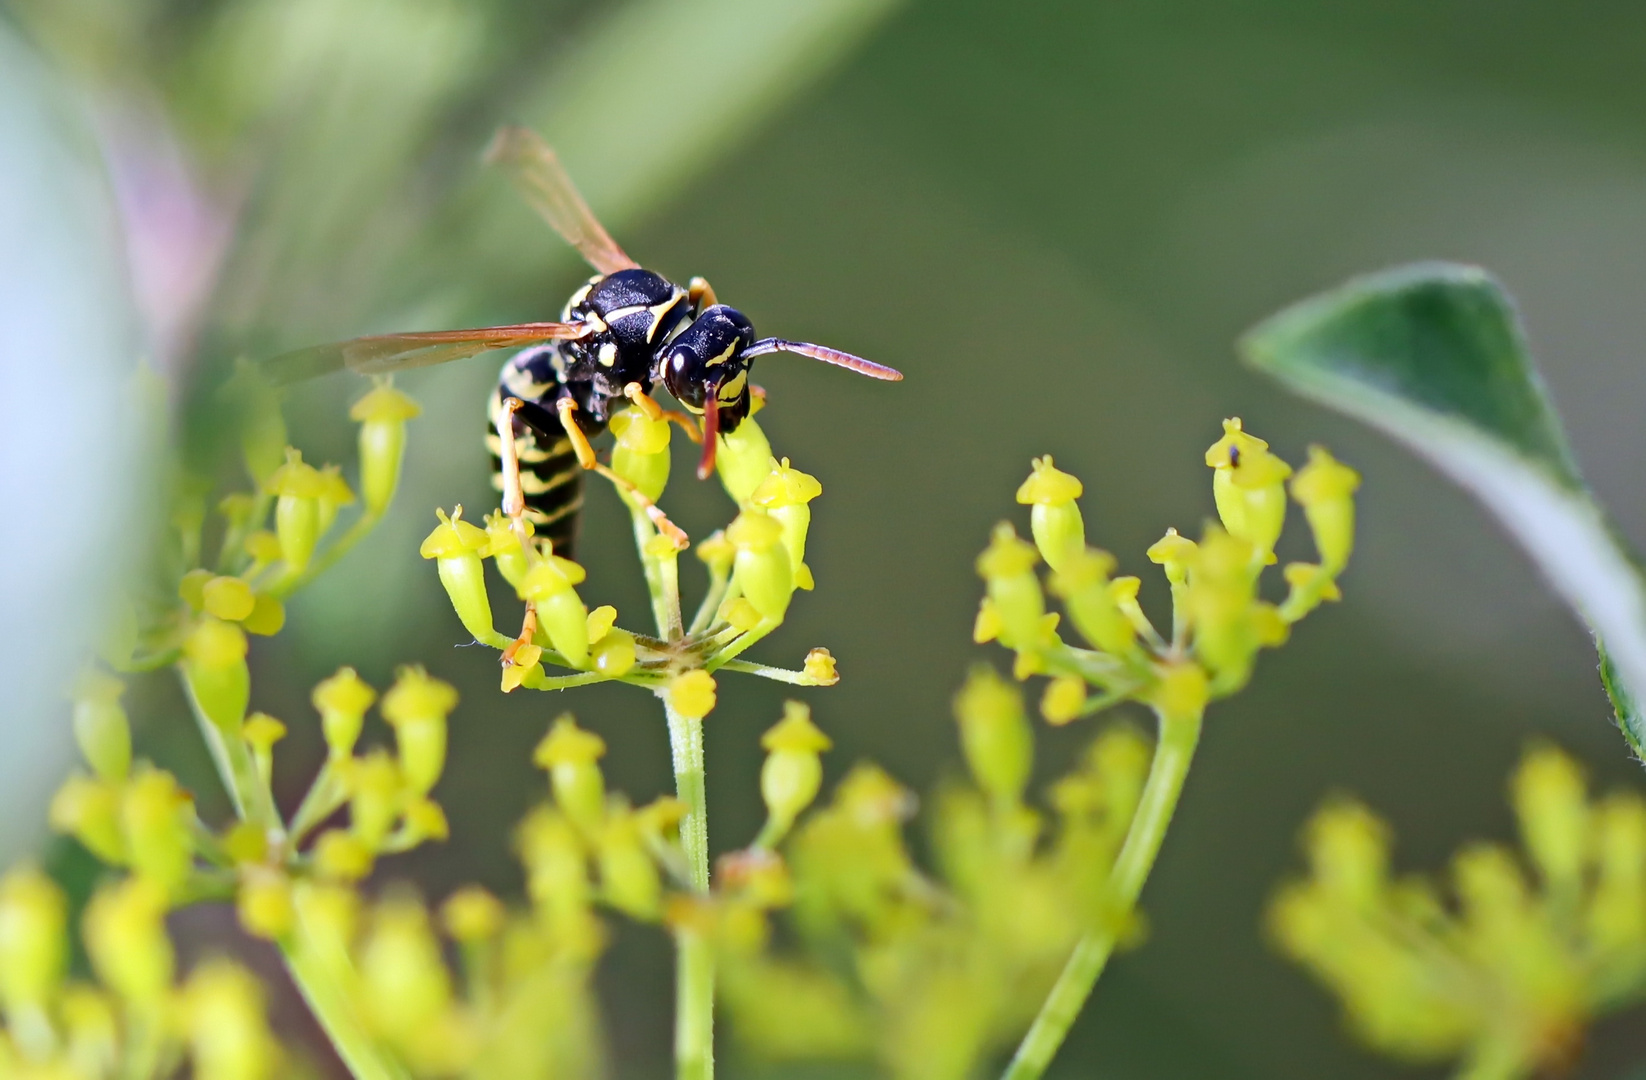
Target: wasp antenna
{"x": 827, "y": 355}
{"x": 711, "y": 432}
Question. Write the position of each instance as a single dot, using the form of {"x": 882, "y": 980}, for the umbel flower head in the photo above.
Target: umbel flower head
{"x": 1220, "y": 620}
{"x": 1504, "y": 978}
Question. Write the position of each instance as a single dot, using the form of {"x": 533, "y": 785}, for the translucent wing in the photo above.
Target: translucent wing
{"x": 536, "y": 171}
{"x": 396, "y": 352}
{"x": 827, "y": 355}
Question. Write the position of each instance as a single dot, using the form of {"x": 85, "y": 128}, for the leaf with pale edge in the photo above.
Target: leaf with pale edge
{"x": 1433, "y": 355}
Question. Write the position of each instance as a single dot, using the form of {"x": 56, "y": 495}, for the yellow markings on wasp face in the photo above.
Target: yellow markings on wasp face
{"x": 608, "y": 354}
{"x": 731, "y": 350}
{"x": 732, "y": 389}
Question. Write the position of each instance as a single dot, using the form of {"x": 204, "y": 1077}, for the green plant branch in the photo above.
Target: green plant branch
{"x": 1178, "y": 737}
{"x": 694, "y": 975}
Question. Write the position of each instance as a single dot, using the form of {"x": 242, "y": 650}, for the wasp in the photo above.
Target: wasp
{"x": 625, "y": 332}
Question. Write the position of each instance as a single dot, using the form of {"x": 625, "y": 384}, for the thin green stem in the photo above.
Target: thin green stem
{"x": 719, "y": 577}
{"x": 742, "y": 642}
{"x": 1178, "y": 737}
{"x": 776, "y": 674}
{"x": 330, "y": 1004}
{"x": 694, "y": 976}
{"x": 661, "y": 615}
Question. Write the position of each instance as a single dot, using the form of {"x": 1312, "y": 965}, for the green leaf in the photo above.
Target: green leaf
{"x": 1433, "y": 355}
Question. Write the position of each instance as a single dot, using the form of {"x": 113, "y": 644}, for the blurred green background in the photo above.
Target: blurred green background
{"x": 1054, "y": 218}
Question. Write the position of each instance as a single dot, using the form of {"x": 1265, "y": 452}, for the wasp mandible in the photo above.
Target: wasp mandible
{"x": 622, "y": 333}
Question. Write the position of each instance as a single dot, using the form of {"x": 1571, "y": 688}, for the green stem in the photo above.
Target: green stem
{"x": 741, "y": 643}
{"x": 327, "y": 1001}
{"x": 694, "y": 976}
{"x": 719, "y": 577}
{"x": 661, "y": 613}
{"x": 285, "y": 585}
{"x": 1178, "y": 738}
{"x": 330, "y": 1004}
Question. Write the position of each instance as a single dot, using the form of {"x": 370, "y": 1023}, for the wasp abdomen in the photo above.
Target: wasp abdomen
{"x": 551, "y": 480}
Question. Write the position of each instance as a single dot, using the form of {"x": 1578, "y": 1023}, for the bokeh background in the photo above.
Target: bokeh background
{"x": 1055, "y": 217}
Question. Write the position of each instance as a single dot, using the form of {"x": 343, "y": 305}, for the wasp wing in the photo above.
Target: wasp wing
{"x": 537, "y": 172}
{"x": 381, "y": 353}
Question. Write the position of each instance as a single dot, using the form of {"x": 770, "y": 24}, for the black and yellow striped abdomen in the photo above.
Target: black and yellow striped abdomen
{"x": 550, "y": 478}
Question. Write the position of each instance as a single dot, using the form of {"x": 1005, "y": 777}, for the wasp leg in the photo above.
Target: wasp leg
{"x": 514, "y": 505}
{"x": 646, "y": 404}
{"x": 700, "y": 293}
{"x": 586, "y": 458}
{"x": 514, "y": 499}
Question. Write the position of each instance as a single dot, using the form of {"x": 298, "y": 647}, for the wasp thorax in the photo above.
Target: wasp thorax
{"x": 707, "y": 355}
{"x": 635, "y": 312}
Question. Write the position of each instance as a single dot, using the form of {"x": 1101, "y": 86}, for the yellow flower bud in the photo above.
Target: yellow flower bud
{"x": 743, "y": 459}
{"x": 299, "y": 488}
{"x": 762, "y": 568}
{"x": 1552, "y": 805}
{"x": 600, "y": 622}
{"x": 416, "y": 707}
{"x": 793, "y": 771}
{"x": 261, "y": 731}
{"x": 784, "y": 495}
{"x": 995, "y": 735}
{"x": 1083, "y": 584}
{"x": 472, "y": 914}
{"x": 691, "y": 694}
{"x": 246, "y": 843}
{"x": 1063, "y": 700}
{"x": 503, "y": 546}
{"x": 89, "y": 810}
{"x": 191, "y": 589}
{"x": 214, "y": 665}
{"x": 229, "y": 1039}
{"x": 1325, "y": 489}
{"x": 335, "y": 494}
{"x": 1175, "y": 554}
{"x": 455, "y": 545}
{"x": 342, "y": 701}
{"x": 263, "y": 547}
{"x": 382, "y": 416}
{"x": 1007, "y": 568}
{"x": 820, "y": 667}
{"x": 556, "y": 874}
{"x": 33, "y": 938}
{"x": 426, "y": 820}
{"x": 404, "y": 983}
{"x": 614, "y": 656}
{"x": 264, "y": 903}
{"x": 570, "y": 754}
{"x": 376, "y": 794}
{"x": 125, "y": 934}
{"x": 227, "y": 598}
{"x": 340, "y": 856}
{"x": 561, "y": 616}
{"x": 641, "y": 453}
{"x": 1249, "y": 487}
{"x": 155, "y": 818}
{"x": 523, "y": 668}
{"x": 716, "y": 552}
{"x": 740, "y": 614}
{"x": 628, "y": 874}
{"x": 267, "y": 617}
{"x": 1054, "y": 520}
{"x": 100, "y": 725}
{"x": 1310, "y": 584}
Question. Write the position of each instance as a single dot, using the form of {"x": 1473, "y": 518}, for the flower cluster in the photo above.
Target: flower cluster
{"x": 1219, "y": 620}
{"x": 1509, "y": 977}
{"x": 928, "y": 975}
{"x": 136, "y": 1019}
{"x": 754, "y": 567}
{"x": 207, "y": 605}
